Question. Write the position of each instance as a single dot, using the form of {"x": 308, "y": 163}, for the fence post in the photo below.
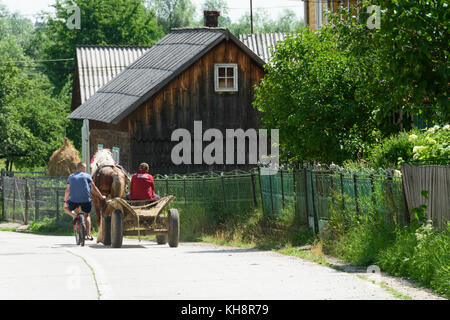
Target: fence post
{"x": 167, "y": 185}
{"x": 203, "y": 190}
{"x": 372, "y": 187}
{"x": 391, "y": 194}
{"x": 331, "y": 190}
{"x": 355, "y": 187}
{"x": 57, "y": 204}
{"x": 341, "y": 176}
{"x": 27, "y": 195}
{"x": 271, "y": 192}
{"x": 260, "y": 189}
{"x": 3, "y": 173}
{"x": 255, "y": 202}
{"x": 406, "y": 210}
{"x": 305, "y": 171}
{"x": 282, "y": 188}
{"x": 14, "y": 201}
{"x": 184, "y": 186}
{"x": 294, "y": 182}
{"x": 36, "y": 201}
{"x": 316, "y": 222}
{"x": 223, "y": 193}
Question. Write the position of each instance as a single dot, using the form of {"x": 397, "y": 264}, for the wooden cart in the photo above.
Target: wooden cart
{"x": 140, "y": 218}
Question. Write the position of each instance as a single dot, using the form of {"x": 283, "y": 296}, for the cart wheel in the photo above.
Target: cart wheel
{"x": 116, "y": 229}
{"x": 106, "y": 230}
{"x": 161, "y": 238}
{"x": 174, "y": 228}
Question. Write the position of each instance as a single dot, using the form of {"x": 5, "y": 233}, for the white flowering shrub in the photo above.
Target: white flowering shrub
{"x": 431, "y": 143}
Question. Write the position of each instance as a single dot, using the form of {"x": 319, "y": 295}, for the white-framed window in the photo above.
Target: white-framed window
{"x": 226, "y": 77}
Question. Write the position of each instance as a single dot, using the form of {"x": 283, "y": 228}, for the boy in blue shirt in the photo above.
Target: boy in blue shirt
{"x": 78, "y": 194}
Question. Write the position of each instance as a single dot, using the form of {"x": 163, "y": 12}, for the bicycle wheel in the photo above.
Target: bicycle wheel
{"x": 77, "y": 232}
{"x": 82, "y": 230}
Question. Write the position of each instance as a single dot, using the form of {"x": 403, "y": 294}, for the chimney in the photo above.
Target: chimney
{"x": 211, "y": 18}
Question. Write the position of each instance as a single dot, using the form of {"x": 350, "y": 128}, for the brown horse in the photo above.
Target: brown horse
{"x": 111, "y": 180}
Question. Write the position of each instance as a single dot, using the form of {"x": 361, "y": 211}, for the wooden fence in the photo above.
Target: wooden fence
{"x": 434, "y": 183}
{"x": 26, "y": 199}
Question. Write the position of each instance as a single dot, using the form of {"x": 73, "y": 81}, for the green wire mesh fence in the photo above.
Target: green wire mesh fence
{"x": 311, "y": 191}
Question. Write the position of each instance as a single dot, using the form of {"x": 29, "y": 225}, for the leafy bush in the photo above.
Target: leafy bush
{"x": 54, "y": 226}
{"x": 421, "y": 253}
{"x": 387, "y": 154}
{"x": 432, "y": 143}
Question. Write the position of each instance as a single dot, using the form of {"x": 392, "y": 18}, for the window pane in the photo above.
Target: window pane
{"x": 230, "y": 72}
{"x": 222, "y": 72}
{"x": 222, "y": 83}
{"x": 230, "y": 83}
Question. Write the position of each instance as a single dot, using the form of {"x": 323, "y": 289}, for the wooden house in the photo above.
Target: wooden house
{"x": 96, "y": 65}
{"x": 314, "y": 10}
{"x": 192, "y": 74}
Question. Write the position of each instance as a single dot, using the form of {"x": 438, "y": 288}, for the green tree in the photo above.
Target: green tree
{"x": 32, "y": 121}
{"x": 103, "y": 22}
{"x": 414, "y": 42}
{"x": 318, "y": 93}
{"x": 287, "y": 22}
{"x": 173, "y": 13}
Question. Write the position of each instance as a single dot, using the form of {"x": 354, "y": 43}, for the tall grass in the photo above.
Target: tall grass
{"x": 421, "y": 253}
{"x": 418, "y": 251}
{"x": 242, "y": 224}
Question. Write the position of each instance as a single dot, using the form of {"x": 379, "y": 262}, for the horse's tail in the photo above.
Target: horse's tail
{"x": 118, "y": 185}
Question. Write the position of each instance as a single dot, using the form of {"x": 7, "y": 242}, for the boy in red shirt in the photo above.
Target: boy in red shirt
{"x": 142, "y": 186}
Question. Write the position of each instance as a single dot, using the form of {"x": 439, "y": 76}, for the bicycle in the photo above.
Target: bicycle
{"x": 79, "y": 228}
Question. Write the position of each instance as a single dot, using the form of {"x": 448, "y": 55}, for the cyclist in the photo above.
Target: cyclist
{"x": 78, "y": 194}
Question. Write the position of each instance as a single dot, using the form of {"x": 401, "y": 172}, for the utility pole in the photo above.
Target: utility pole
{"x": 251, "y": 16}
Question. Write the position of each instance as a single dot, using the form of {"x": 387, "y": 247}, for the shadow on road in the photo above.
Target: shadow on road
{"x": 125, "y": 246}
{"x": 64, "y": 245}
{"x": 226, "y": 251}
{"x": 99, "y": 246}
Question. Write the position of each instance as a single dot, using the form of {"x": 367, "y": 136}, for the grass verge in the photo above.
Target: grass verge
{"x": 51, "y": 227}
{"x": 417, "y": 252}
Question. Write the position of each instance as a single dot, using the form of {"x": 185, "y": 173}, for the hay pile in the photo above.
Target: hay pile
{"x": 63, "y": 161}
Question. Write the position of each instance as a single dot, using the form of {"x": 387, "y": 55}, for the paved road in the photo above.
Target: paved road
{"x": 52, "y": 267}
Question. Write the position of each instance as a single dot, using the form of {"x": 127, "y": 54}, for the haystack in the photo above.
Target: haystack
{"x": 63, "y": 161}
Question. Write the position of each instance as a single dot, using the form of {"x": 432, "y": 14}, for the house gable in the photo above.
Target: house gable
{"x": 158, "y": 66}
{"x": 188, "y": 97}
